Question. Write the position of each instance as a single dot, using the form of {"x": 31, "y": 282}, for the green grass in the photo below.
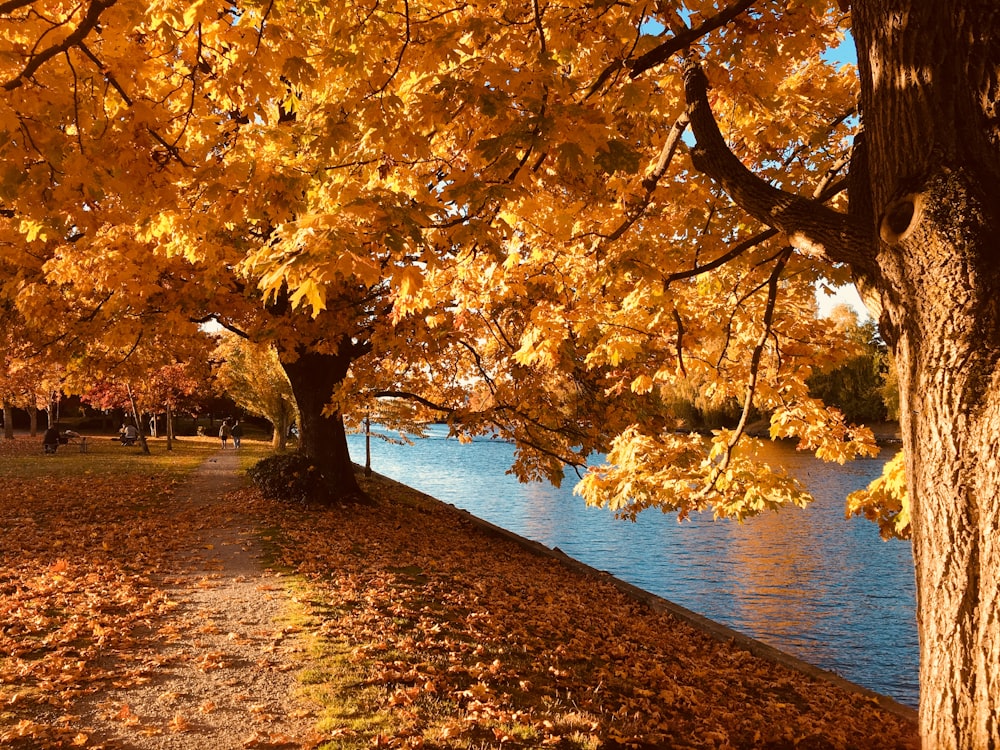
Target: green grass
{"x": 24, "y": 457}
{"x": 347, "y": 705}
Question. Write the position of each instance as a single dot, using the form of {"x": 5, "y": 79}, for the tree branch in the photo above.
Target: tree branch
{"x": 8, "y": 7}
{"x": 407, "y": 395}
{"x": 663, "y": 52}
{"x": 680, "y": 342}
{"x": 811, "y": 227}
{"x": 214, "y": 317}
{"x": 87, "y": 25}
{"x": 824, "y": 192}
{"x": 171, "y": 149}
{"x": 651, "y": 180}
{"x": 402, "y": 50}
{"x": 538, "y": 26}
{"x": 772, "y": 298}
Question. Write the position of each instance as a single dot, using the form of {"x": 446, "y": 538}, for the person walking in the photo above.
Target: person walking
{"x": 237, "y": 433}
{"x": 224, "y": 433}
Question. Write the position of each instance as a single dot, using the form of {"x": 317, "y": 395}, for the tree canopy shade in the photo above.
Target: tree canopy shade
{"x": 495, "y": 210}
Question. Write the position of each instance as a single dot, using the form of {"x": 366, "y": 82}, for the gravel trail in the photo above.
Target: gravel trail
{"x": 220, "y": 673}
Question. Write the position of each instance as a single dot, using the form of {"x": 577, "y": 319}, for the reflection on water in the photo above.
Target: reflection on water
{"x": 808, "y": 581}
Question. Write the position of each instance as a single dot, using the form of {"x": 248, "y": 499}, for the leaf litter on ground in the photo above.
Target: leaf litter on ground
{"x": 424, "y": 631}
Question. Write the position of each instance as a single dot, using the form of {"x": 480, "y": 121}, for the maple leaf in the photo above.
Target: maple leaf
{"x": 180, "y": 724}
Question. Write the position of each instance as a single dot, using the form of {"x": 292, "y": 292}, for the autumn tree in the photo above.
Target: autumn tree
{"x": 251, "y": 374}
{"x": 688, "y": 278}
{"x": 200, "y": 108}
{"x": 858, "y": 386}
{"x": 27, "y": 380}
{"x": 918, "y": 237}
{"x": 550, "y": 221}
{"x": 165, "y": 390}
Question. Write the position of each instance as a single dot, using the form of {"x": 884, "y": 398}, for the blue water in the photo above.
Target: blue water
{"x": 807, "y": 581}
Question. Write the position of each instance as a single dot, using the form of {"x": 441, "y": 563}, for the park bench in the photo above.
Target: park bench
{"x": 65, "y": 439}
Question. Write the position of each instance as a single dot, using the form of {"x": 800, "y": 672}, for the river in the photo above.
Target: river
{"x": 807, "y": 581}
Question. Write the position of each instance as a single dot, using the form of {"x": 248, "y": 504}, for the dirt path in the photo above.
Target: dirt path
{"x": 219, "y": 673}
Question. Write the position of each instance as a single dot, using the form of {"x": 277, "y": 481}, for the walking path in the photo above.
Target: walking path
{"x": 136, "y": 614}
{"x": 223, "y": 678}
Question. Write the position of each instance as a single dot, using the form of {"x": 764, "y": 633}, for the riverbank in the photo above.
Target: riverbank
{"x": 135, "y": 613}
{"x": 459, "y": 636}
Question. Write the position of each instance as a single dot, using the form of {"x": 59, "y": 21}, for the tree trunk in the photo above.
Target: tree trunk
{"x": 950, "y": 421}
{"x": 929, "y": 79}
{"x": 947, "y": 349}
{"x": 137, "y": 420}
{"x": 314, "y": 378}
{"x": 52, "y": 409}
{"x": 281, "y": 420}
{"x": 32, "y": 421}
{"x": 368, "y": 446}
{"x": 8, "y": 421}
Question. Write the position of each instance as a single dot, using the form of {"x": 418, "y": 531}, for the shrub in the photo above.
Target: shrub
{"x": 289, "y": 477}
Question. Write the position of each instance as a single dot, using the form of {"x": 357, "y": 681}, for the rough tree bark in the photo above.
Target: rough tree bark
{"x": 921, "y": 238}
{"x": 314, "y": 377}
{"x": 930, "y": 95}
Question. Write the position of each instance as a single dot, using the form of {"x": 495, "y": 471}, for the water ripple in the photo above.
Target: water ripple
{"x": 807, "y": 581}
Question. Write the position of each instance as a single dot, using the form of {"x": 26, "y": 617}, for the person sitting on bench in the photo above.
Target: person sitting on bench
{"x": 50, "y": 440}
{"x": 128, "y": 434}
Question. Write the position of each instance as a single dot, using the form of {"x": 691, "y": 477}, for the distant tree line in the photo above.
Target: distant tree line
{"x": 864, "y": 387}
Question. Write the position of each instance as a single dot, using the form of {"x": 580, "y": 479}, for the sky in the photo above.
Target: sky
{"x": 846, "y": 295}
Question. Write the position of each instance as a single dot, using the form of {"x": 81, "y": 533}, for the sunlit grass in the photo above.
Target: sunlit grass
{"x": 348, "y": 707}
{"x": 25, "y": 458}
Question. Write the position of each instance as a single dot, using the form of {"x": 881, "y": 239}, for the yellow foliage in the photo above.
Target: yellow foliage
{"x": 674, "y": 472}
{"x": 885, "y": 500}
{"x": 473, "y": 200}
